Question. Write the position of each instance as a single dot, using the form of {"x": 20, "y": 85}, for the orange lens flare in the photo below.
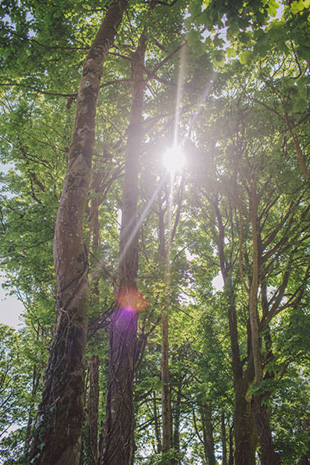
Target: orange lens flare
{"x": 132, "y": 300}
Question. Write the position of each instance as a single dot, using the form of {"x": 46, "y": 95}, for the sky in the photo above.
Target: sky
{"x": 10, "y": 306}
{"x": 10, "y": 309}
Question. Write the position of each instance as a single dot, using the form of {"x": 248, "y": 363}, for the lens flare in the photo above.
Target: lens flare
{"x": 131, "y": 299}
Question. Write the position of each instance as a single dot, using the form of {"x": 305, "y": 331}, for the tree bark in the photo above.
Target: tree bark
{"x": 92, "y": 412}
{"x": 231, "y": 460}
{"x": 165, "y": 378}
{"x": 253, "y": 312}
{"x": 164, "y": 365}
{"x": 224, "y": 439}
{"x": 262, "y": 416}
{"x": 157, "y": 425}
{"x": 244, "y": 429}
{"x": 244, "y": 433}
{"x": 261, "y": 411}
{"x": 58, "y": 435}
{"x": 118, "y": 435}
{"x": 176, "y": 421}
{"x": 208, "y": 440}
{"x": 37, "y": 373}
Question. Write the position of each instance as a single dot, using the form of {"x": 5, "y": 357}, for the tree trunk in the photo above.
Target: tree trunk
{"x": 58, "y": 435}
{"x": 92, "y": 411}
{"x": 118, "y": 434}
{"x": 224, "y": 439}
{"x": 166, "y": 399}
{"x": 176, "y": 422}
{"x": 37, "y": 373}
{"x": 164, "y": 365}
{"x": 262, "y": 416}
{"x": 208, "y": 441}
{"x": 157, "y": 425}
{"x": 244, "y": 432}
{"x": 231, "y": 460}
{"x": 244, "y": 427}
{"x": 253, "y": 312}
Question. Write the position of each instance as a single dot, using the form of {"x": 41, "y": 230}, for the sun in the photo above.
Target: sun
{"x": 174, "y": 159}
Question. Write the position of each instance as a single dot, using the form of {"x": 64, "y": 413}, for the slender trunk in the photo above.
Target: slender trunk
{"x": 157, "y": 427}
{"x": 92, "y": 411}
{"x": 208, "y": 441}
{"x": 91, "y": 430}
{"x": 253, "y": 312}
{"x": 165, "y": 376}
{"x": 166, "y": 398}
{"x": 231, "y": 460}
{"x": 118, "y": 440}
{"x": 57, "y": 440}
{"x": 37, "y": 372}
{"x": 224, "y": 439}
{"x": 176, "y": 422}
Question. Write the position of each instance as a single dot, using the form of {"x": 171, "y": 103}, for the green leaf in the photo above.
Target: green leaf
{"x": 195, "y": 8}
{"x": 245, "y": 57}
{"x": 297, "y": 6}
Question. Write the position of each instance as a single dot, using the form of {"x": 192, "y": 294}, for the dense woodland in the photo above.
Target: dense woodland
{"x": 167, "y": 316}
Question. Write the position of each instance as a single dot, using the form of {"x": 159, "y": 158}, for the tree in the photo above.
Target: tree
{"x": 58, "y": 435}
{"x": 238, "y": 356}
{"x": 118, "y": 442}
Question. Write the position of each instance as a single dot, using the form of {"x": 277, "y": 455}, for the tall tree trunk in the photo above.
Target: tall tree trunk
{"x": 224, "y": 439}
{"x": 157, "y": 425}
{"x": 253, "y": 312}
{"x": 176, "y": 421}
{"x": 244, "y": 422}
{"x": 58, "y": 434}
{"x": 231, "y": 460}
{"x": 208, "y": 440}
{"x": 37, "y": 373}
{"x": 165, "y": 379}
{"x": 244, "y": 433}
{"x": 92, "y": 411}
{"x": 262, "y": 416}
{"x": 118, "y": 440}
{"x": 165, "y": 376}
{"x": 244, "y": 426}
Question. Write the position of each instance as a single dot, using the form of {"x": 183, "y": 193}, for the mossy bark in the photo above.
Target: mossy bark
{"x": 58, "y": 433}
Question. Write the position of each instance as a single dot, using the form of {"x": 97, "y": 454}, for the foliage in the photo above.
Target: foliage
{"x": 233, "y": 77}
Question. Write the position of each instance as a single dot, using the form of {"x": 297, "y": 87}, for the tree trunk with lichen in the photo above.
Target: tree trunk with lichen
{"x": 57, "y": 437}
{"x": 118, "y": 434}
